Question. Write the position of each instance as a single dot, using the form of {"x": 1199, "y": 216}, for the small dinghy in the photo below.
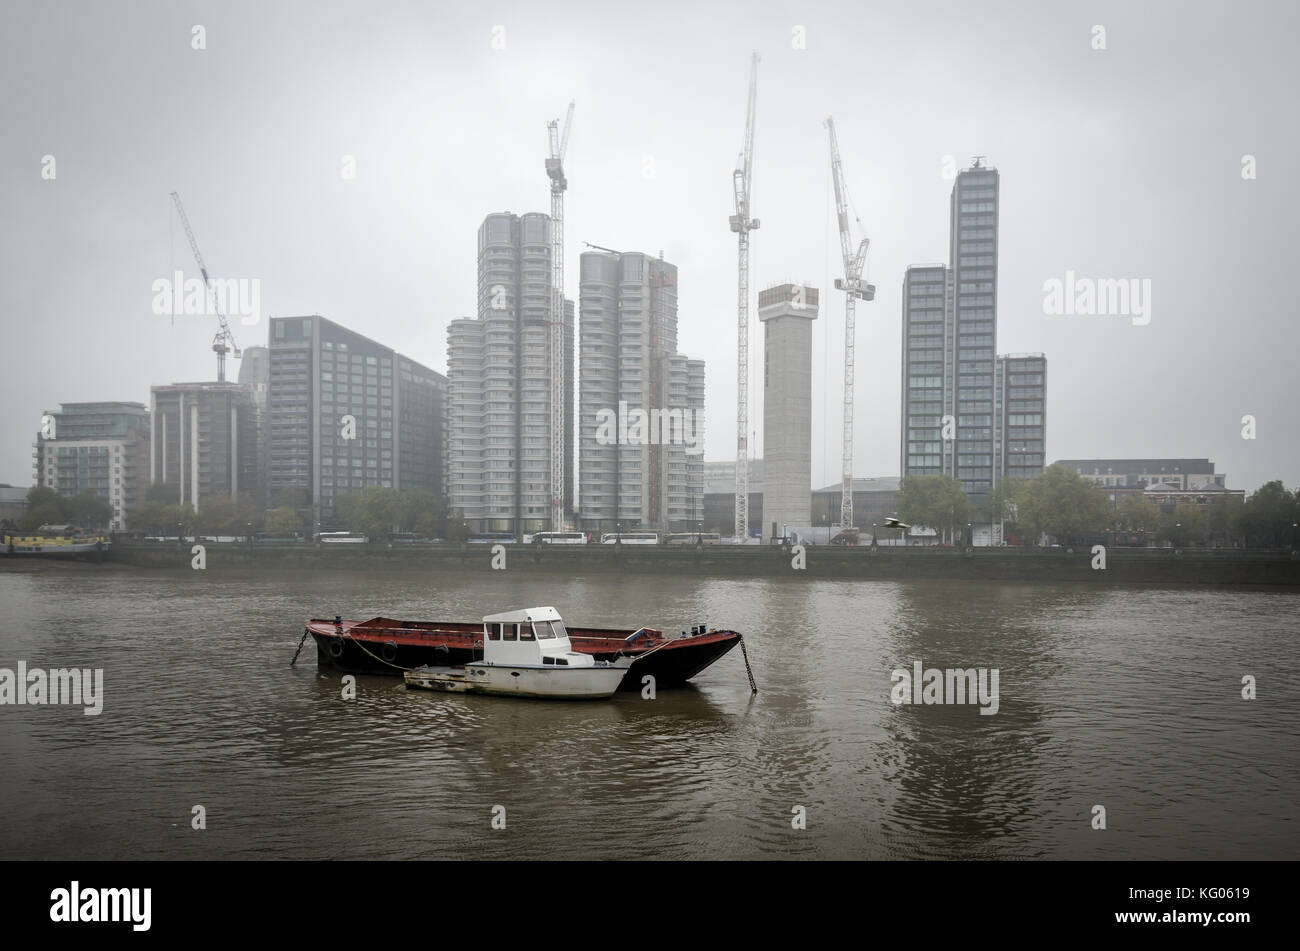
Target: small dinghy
{"x": 525, "y": 654}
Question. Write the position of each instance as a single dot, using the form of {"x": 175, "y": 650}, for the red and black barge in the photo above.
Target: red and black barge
{"x": 389, "y": 646}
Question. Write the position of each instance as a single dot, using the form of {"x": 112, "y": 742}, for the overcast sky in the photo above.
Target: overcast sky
{"x": 1117, "y": 163}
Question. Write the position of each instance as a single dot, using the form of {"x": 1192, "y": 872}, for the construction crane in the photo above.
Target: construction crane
{"x": 559, "y": 143}
{"x": 224, "y": 341}
{"x": 741, "y": 223}
{"x": 854, "y": 287}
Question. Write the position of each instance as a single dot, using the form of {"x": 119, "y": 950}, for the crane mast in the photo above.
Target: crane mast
{"x": 559, "y": 143}
{"x": 854, "y": 287}
{"x": 742, "y": 224}
{"x": 224, "y": 341}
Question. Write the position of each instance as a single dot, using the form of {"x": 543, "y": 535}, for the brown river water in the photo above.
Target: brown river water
{"x": 1125, "y": 697}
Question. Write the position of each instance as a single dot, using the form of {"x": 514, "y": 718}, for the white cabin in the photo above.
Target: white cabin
{"x": 533, "y": 637}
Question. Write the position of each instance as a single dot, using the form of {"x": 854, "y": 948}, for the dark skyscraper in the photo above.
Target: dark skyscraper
{"x": 345, "y": 413}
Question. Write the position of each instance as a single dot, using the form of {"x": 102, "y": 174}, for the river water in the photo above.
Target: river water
{"x": 1122, "y": 697}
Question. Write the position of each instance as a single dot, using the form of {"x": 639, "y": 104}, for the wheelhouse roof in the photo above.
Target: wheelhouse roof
{"x": 526, "y": 614}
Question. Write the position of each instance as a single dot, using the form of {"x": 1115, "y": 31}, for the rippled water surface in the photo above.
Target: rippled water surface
{"x": 1129, "y": 698}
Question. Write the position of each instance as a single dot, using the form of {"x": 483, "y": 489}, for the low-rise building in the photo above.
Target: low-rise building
{"x": 1139, "y": 473}
{"x": 874, "y": 500}
{"x": 98, "y": 446}
{"x": 719, "y": 507}
{"x": 1166, "y": 483}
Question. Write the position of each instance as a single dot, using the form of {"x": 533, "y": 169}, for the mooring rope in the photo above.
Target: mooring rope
{"x": 378, "y": 658}
{"x": 667, "y": 641}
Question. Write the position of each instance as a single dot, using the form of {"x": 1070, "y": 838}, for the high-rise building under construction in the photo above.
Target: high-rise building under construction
{"x": 641, "y": 403}
{"x": 787, "y": 312}
{"x": 499, "y": 383}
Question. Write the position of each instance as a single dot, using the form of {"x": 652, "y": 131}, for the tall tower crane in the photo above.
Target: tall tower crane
{"x": 743, "y": 224}
{"x": 559, "y": 143}
{"x": 224, "y": 341}
{"x": 854, "y": 287}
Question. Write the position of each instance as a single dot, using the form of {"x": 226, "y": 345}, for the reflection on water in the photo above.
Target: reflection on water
{"x": 1124, "y": 697}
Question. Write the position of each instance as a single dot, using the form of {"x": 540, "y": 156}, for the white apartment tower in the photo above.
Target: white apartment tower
{"x": 498, "y": 372}
{"x": 641, "y": 403}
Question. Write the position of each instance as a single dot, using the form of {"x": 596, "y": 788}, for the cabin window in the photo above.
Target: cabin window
{"x": 558, "y": 627}
{"x": 543, "y": 629}
{"x": 510, "y": 632}
{"x": 561, "y": 662}
{"x": 525, "y": 631}
{"x": 494, "y": 632}
{"x": 548, "y": 660}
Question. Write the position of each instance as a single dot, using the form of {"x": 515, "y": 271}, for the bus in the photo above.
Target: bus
{"x": 345, "y": 538}
{"x": 269, "y": 538}
{"x": 692, "y": 538}
{"x": 630, "y": 538}
{"x": 409, "y": 538}
{"x": 492, "y": 538}
{"x": 557, "y": 538}
{"x": 1112, "y": 539}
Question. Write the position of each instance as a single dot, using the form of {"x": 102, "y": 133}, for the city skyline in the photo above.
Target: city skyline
{"x": 1096, "y": 182}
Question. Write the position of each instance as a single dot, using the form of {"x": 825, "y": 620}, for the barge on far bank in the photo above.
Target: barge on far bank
{"x": 56, "y": 541}
{"x": 389, "y": 646}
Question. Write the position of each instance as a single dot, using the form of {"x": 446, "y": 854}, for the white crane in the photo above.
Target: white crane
{"x": 743, "y": 224}
{"x": 559, "y": 143}
{"x": 224, "y": 341}
{"x": 854, "y": 287}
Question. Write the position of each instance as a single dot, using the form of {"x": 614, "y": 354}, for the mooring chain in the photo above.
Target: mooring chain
{"x": 748, "y": 670}
{"x": 305, "y": 632}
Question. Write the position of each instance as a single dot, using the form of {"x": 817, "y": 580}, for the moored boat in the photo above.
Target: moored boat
{"x": 56, "y": 541}
{"x": 384, "y": 645}
{"x": 525, "y": 654}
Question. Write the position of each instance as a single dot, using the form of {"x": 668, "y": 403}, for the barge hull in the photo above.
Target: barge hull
{"x": 392, "y": 650}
